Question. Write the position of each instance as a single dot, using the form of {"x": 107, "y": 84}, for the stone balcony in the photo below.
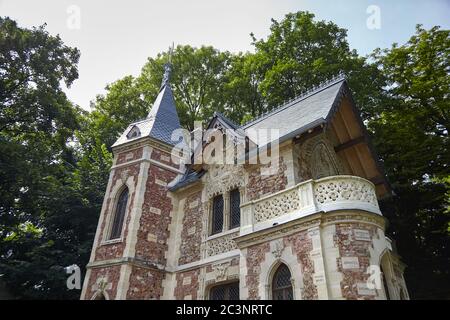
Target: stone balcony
{"x": 309, "y": 197}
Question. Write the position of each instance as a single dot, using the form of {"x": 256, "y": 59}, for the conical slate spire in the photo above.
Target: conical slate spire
{"x": 161, "y": 121}
{"x": 164, "y": 112}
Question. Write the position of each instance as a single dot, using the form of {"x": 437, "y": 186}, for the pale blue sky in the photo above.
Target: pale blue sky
{"x": 116, "y": 37}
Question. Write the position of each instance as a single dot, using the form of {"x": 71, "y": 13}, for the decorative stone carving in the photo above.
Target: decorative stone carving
{"x": 317, "y": 159}
{"x": 223, "y": 178}
{"x": 124, "y": 176}
{"x": 278, "y": 248}
{"x": 322, "y": 162}
{"x": 343, "y": 188}
{"x": 277, "y": 206}
{"x": 221, "y": 245}
{"x": 221, "y": 271}
{"x": 101, "y": 284}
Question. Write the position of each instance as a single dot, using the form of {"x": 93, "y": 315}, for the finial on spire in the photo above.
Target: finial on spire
{"x": 167, "y": 67}
{"x": 171, "y": 48}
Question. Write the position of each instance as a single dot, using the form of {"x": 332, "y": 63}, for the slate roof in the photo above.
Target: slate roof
{"x": 161, "y": 121}
{"x": 301, "y": 113}
{"x": 189, "y": 177}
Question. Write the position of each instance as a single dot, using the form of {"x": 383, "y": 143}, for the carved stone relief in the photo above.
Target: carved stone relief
{"x": 221, "y": 245}
{"x": 317, "y": 159}
{"x": 343, "y": 189}
{"x": 221, "y": 271}
{"x": 223, "y": 178}
{"x": 278, "y": 248}
{"x": 277, "y": 206}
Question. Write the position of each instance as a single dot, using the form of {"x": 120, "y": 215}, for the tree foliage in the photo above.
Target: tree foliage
{"x": 411, "y": 135}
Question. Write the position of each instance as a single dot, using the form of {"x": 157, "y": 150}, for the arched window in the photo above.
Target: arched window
{"x": 119, "y": 215}
{"x": 100, "y": 296}
{"x": 281, "y": 284}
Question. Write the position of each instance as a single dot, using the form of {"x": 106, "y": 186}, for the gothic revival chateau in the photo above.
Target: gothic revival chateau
{"x": 311, "y": 229}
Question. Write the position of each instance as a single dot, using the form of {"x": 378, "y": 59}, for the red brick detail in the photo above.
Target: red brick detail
{"x": 260, "y": 185}
{"x": 349, "y": 247}
{"x": 115, "y": 250}
{"x": 192, "y": 230}
{"x": 255, "y": 257}
{"x": 301, "y": 246}
{"x": 163, "y": 157}
{"x": 129, "y": 156}
{"x": 156, "y": 224}
{"x": 145, "y": 284}
{"x": 111, "y": 273}
{"x": 183, "y": 290}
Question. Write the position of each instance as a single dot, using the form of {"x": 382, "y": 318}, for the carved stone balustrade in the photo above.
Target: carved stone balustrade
{"x": 309, "y": 197}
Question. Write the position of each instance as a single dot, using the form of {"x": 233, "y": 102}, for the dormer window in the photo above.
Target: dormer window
{"x": 134, "y": 133}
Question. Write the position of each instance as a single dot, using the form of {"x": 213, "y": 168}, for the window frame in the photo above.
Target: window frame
{"x": 230, "y": 214}
{"x": 119, "y": 194}
{"x": 213, "y": 215}
{"x": 226, "y": 285}
{"x": 226, "y": 213}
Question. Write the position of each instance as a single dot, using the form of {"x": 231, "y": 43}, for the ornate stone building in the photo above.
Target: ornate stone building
{"x": 311, "y": 229}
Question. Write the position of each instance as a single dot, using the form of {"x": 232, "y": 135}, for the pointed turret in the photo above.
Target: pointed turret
{"x": 162, "y": 119}
{"x": 164, "y": 112}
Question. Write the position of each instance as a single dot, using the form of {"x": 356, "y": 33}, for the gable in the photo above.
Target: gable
{"x": 353, "y": 147}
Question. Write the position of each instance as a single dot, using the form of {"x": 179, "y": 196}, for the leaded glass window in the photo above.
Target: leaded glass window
{"x": 228, "y": 291}
{"x": 119, "y": 215}
{"x": 217, "y": 215}
{"x": 235, "y": 210}
{"x": 281, "y": 284}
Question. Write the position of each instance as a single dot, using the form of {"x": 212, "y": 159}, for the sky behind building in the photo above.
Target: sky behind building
{"x": 116, "y": 37}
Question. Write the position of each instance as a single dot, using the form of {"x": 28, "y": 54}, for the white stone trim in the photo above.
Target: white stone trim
{"x": 173, "y": 244}
{"x": 197, "y": 264}
{"x": 152, "y": 161}
{"x": 222, "y": 234}
{"x": 331, "y": 254}
{"x": 317, "y": 257}
{"x": 243, "y": 271}
{"x": 124, "y": 282}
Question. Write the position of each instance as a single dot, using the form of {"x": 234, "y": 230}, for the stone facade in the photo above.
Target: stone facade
{"x": 312, "y": 216}
{"x": 328, "y": 256}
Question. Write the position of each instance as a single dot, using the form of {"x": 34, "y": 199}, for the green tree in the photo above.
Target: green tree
{"x": 37, "y": 161}
{"x": 300, "y": 53}
{"x": 411, "y": 135}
